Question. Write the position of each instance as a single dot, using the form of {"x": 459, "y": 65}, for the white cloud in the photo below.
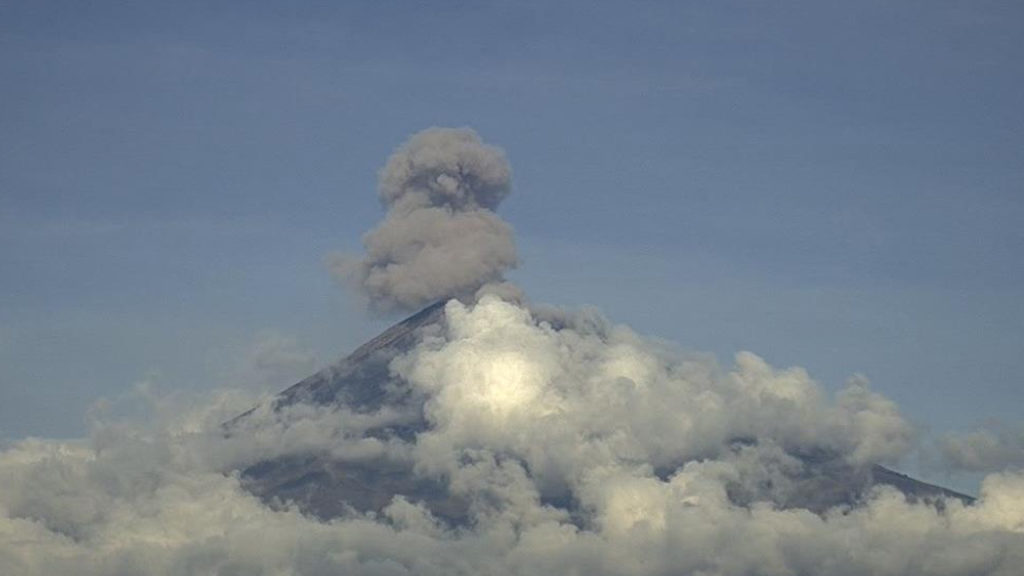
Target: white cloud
{"x": 674, "y": 466}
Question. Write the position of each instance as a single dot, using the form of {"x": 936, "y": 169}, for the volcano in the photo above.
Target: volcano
{"x": 327, "y": 485}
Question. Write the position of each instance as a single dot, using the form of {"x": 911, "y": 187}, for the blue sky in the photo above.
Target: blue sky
{"x": 838, "y": 186}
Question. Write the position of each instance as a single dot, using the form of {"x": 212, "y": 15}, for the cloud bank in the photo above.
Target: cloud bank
{"x": 672, "y": 465}
{"x": 440, "y": 237}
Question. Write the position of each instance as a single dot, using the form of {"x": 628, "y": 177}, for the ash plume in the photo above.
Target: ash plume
{"x": 440, "y": 237}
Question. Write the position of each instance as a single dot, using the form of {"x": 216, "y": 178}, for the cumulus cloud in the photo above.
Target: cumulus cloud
{"x": 984, "y": 450}
{"x": 440, "y": 237}
{"x": 576, "y": 444}
{"x": 548, "y": 385}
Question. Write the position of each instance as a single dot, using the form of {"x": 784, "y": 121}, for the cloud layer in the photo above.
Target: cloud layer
{"x": 577, "y": 445}
{"x": 441, "y": 237}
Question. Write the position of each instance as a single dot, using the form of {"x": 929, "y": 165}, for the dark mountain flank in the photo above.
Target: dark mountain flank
{"x": 328, "y": 486}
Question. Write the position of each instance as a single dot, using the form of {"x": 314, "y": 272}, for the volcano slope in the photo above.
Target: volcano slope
{"x": 376, "y": 422}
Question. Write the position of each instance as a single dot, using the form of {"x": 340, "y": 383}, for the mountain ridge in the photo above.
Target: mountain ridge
{"x": 327, "y": 487}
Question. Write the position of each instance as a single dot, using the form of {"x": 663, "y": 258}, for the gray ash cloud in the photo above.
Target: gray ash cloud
{"x": 441, "y": 236}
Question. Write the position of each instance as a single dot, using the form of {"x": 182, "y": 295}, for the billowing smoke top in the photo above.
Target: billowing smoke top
{"x": 445, "y": 167}
{"x": 440, "y": 237}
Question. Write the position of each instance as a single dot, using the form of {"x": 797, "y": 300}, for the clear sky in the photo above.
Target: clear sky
{"x": 834, "y": 185}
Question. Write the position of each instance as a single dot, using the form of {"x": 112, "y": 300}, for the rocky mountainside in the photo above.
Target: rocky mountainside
{"x": 325, "y": 485}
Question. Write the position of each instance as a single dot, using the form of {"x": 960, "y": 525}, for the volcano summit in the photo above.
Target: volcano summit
{"x": 562, "y": 398}
{"x": 817, "y": 477}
